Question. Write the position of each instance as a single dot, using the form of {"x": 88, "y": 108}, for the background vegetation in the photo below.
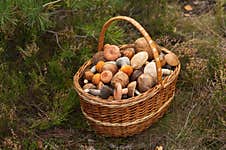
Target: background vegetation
{"x": 43, "y": 43}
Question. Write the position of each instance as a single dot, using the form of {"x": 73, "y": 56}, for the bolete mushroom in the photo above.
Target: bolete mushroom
{"x": 120, "y": 77}
{"x": 142, "y": 45}
{"x": 122, "y": 61}
{"x": 139, "y": 60}
{"x": 104, "y": 92}
{"x": 145, "y": 82}
{"x": 111, "y": 52}
{"x": 100, "y": 85}
{"x": 98, "y": 57}
{"x": 118, "y": 91}
{"x": 129, "y": 52}
{"x": 111, "y": 67}
{"x": 106, "y": 76}
{"x": 136, "y": 74}
{"x": 96, "y": 79}
{"x": 162, "y": 59}
{"x": 89, "y": 75}
{"x": 171, "y": 59}
{"x": 150, "y": 69}
{"x": 131, "y": 88}
{"x": 89, "y": 86}
{"x": 93, "y": 69}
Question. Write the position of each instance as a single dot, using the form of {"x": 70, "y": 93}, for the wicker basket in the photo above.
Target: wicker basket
{"x": 130, "y": 116}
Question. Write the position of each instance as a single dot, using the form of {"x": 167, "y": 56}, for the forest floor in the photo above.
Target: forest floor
{"x": 196, "y": 116}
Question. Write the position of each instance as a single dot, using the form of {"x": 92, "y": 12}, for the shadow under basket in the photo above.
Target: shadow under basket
{"x": 121, "y": 118}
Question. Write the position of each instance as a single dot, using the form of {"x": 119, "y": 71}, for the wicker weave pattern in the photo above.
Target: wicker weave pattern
{"x": 133, "y": 115}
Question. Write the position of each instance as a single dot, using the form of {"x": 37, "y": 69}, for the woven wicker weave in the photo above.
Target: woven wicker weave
{"x": 127, "y": 117}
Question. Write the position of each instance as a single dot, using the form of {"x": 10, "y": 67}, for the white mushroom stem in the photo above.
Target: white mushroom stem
{"x": 93, "y": 69}
{"x": 85, "y": 81}
{"x": 125, "y": 91}
{"x": 137, "y": 92}
{"x": 166, "y": 71}
{"x": 95, "y": 92}
{"x": 110, "y": 62}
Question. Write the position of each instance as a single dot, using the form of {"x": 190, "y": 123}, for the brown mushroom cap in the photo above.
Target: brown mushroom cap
{"x": 136, "y": 74}
{"x": 139, "y": 60}
{"x": 145, "y": 82}
{"x": 111, "y": 52}
{"x": 162, "y": 59}
{"x": 142, "y": 45}
{"x": 131, "y": 88}
{"x": 98, "y": 57}
{"x": 105, "y": 91}
{"x": 100, "y": 85}
{"x": 171, "y": 59}
{"x": 150, "y": 69}
{"x": 106, "y": 76}
{"x": 88, "y": 75}
{"x": 89, "y": 86}
{"x": 111, "y": 67}
{"x": 129, "y": 52}
{"x": 120, "y": 77}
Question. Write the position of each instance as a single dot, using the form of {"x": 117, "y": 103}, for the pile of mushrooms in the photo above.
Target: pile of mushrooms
{"x": 121, "y": 73}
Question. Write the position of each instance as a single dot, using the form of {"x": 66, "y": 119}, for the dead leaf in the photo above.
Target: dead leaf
{"x": 188, "y": 7}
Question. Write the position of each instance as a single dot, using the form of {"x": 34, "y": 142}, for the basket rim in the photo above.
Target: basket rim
{"x": 146, "y": 95}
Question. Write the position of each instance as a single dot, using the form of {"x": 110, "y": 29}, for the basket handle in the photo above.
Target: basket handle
{"x": 151, "y": 43}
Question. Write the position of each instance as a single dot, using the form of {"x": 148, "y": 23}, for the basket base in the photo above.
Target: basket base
{"x": 127, "y": 129}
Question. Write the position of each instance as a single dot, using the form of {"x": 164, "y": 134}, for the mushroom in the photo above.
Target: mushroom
{"x": 88, "y": 75}
{"x": 131, "y": 88}
{"x": 162, "y": 59}
{"x": 142, "y": 45}
{"x": 150, "y": 69}
{"x": 136, "y": 74}
{"x": 111, "y": 67}
{"x": 171, "y": 59}
{"x": 129, "y": 52}
{"x": 127, "y": 69}
{"x": 89, "y": 86}
{"x": 139, "y": 60}
{"x": 100, "y": 85}
{"x": 104, "y": 92}
{"x": 96, "y": 79}
{"x": 120, "y": 77}
{"x": 99, "y": 66}
{"x": 122, "y": 61}
{"x": 111, "y": 52}
{"x": 110, "y": 62}
{"x": 93, "y": 69}
{"x": 98, "y": 57}
{"x": 118, "y": 91}
{"x": 106, "y": 76}
{"x": 145, "y": 82}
